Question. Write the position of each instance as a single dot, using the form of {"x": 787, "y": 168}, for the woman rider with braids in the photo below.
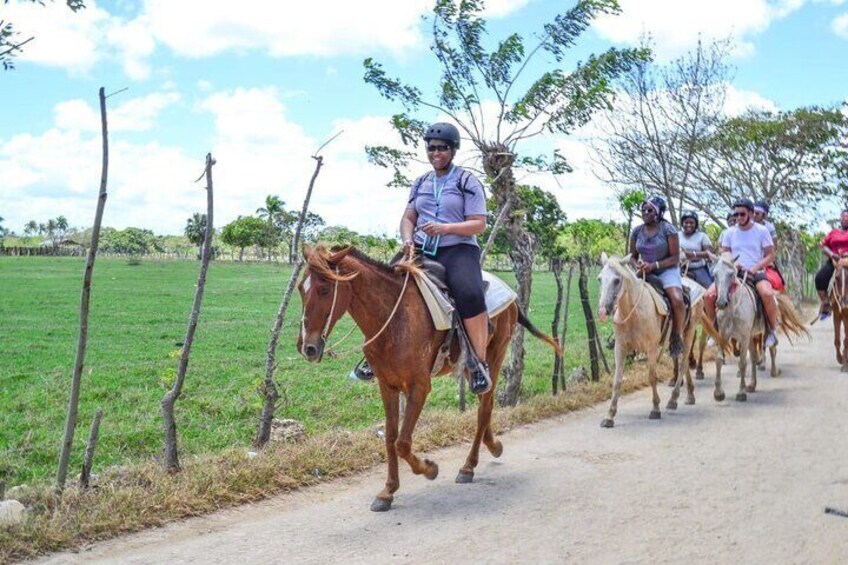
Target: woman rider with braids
{"x": 655, "y": 250}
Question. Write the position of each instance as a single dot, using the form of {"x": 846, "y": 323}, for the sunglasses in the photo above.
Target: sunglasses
{"x": 439, "y": 148}
{"x": 740, "y": 214}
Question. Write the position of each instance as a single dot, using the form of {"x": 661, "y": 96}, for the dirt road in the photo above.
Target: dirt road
{"x": 711, "y": 483}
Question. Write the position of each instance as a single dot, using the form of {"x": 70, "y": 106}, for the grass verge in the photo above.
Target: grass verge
{"x": 129, "y": 499}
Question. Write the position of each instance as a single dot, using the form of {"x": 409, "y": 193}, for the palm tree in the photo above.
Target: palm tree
{"x": 195, "y": 230}
{"x": 274, "y": 212}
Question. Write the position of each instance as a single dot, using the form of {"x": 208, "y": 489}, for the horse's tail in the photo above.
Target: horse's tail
{"x": 790, "y": 320}
{"x": 522, "y": 319}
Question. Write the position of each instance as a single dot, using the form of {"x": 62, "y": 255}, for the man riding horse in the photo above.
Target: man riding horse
{"x": 753, "y": 249}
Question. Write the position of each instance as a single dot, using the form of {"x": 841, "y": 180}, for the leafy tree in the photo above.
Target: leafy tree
{"x": 785, "y": 158}
{"x": 195, "y": 230}
{"x": 3, "y": 230}
{"x": 244, "y": 232}
{"x": 279, "y": 221}
{"x": 649, "y": 141}
{"x": 589, "y": 237}
{"x": 55, "y": 229}
{"x": 31, "y": 228}
{"x": 131, "y": 241}
{"x": 10, "y": 42}
{"x": 629, "y": 201}
{"x": 472, "y": 77}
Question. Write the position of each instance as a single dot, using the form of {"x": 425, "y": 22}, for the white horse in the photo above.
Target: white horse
{"x": 737, "y": 318}
{"x": 638, "y": 327}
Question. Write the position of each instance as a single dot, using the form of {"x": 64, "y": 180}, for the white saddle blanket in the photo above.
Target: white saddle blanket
{"x": 498, "y": 296}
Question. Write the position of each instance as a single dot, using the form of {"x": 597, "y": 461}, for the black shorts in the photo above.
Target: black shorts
{"x": 464, "y": 277}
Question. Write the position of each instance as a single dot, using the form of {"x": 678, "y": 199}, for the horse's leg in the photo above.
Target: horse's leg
{"x": 837, "y": 339}
{"x": 653, "y": 357}
{"x": 494, "y": 446}
{"x": 775, "y": 372}
{"x": 761, "y": 352}
{"x": 608, "y": 422}
{"x": 484, "y": 416}
{"x": 718, "y": 393}
{"x": 752, "y": 384}
{"x": 702, "y": 345}
{"x": 690, "y": 386}
{"x": 844, "y": 323}
{"x": 675, "y": 382}
{"x": 415, "y": 400}
{"x": 384, "y": 499}
{"x": 745, "y": 347}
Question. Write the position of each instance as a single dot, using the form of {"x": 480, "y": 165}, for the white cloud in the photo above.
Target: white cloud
{"x": 501, "y": 8}
{"x": 200, "y": 28}
{"x": 136, "y": 114}
{"x": 840, "y": 25}
{"x": 62, "y": 38}
{"x": 675, "y": 26}
{"x": 737, "y": 101}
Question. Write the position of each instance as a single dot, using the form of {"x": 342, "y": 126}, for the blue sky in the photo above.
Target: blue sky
{"x": 262, "y": 84}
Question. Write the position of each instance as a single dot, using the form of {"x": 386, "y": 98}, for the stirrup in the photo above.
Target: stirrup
{"x": 480, "y": 382}
{"x": 362, "y": 371}
{"x": 824, "y": 311}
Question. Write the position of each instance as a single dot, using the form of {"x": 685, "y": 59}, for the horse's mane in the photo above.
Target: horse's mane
{"x": 615, "y": 264}
{"x": 321, "y": 259}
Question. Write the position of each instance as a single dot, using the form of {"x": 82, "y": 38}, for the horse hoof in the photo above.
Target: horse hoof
{"x": 719, "y": 396}
{"x": 497, "y": 449}
{"x": 741, "y": 397}
{"x": 775, "y": 374}
{"x": 672, "y": 382}
{"x": 607, "y": 423}
{"x": 761, "y": 367}
{"x": 464, "y": 477}
{"x": 381, "y": 505}
{"x": 655, "y": 415}
{"x": 844, "y": 369}
{"x": 431, "y": 471}
{"x": 751, "y": 388}
{"x": 690, "y": 400}
{"x": 672, "y": 405}
{"x": 699, "y": 375}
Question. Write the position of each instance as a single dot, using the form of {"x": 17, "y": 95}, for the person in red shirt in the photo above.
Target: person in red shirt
{"x": 834, "y": 246}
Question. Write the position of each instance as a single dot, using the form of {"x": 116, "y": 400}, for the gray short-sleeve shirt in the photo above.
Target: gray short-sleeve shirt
{"x": 698, "y": 241}
{"x": 655, "y": 247}
{"x": 462, "y": 195}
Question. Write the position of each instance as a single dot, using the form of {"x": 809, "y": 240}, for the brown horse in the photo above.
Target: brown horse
{"x": 402, "y": 347}
{"x": 839, "y": 307}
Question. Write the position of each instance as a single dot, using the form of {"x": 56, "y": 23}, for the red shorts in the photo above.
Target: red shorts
{"x": 775, "y": 279}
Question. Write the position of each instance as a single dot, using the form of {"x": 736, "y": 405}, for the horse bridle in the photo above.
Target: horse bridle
{"x": 325, "y": 331}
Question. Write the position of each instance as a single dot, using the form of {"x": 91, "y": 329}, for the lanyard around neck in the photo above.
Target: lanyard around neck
{"x": 439, "y": 188}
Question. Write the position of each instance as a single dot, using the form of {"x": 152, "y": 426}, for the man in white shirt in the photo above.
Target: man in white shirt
{"x": 753, "y": 245}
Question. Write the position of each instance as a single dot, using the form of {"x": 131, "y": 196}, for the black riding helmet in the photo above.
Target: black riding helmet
{"x": 690, "y": 214}
{"x": 442, "y": 130}
{"x": 657, "y": 202}
{"x": 744, "y": 203}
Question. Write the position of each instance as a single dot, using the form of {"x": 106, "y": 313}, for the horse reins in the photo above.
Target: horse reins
{"x": 348, "y": 334}
{"x": 636, "y": 304}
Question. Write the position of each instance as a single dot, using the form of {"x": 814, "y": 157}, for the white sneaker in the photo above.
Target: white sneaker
{"x": 711, "y": 342}
{"x": 771, "y": 339}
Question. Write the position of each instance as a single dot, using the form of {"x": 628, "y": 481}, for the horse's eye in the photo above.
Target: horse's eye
{"x": 323, "y": 291}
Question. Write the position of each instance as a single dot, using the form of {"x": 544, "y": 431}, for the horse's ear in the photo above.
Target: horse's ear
{"x": 604, "y": 258}
{"x": 307, "y": 251}
{"x": 339, "y": 255}
{"x": 626, "y": 259}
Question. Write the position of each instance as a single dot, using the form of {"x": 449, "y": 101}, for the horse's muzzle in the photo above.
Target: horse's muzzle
{"x": 721, "y": 303}
{"x": 313, "y": 352}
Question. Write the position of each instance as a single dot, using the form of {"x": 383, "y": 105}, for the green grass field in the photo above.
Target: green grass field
{"x": 138, "y": 319}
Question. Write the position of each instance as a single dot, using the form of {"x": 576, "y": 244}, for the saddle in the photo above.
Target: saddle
{"x": 443, "y": 312}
